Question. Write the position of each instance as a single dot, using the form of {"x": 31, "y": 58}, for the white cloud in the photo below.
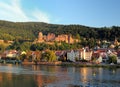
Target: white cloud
{"x": 13, "y": 12}
{"x": 41, "y": 16}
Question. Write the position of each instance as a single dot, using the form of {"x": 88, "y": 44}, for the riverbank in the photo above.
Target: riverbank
{"x": 90, "y": 65}
{"x": 42, "y": 63}
{"x": 74, "y": 64}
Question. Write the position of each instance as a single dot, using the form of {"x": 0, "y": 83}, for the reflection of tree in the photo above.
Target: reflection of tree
{"x": 43, "y": 80}
{"x": 12, "y": 80}
{"x": 1, "y": 79}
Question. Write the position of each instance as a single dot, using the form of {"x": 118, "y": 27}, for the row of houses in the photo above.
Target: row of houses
{"x": 11, "y": 54}
{"x": 74, "y": 55}
{"x": 100, "y": 54}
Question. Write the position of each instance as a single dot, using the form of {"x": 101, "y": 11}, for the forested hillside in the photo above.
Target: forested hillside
{"x": 29, "y": 30}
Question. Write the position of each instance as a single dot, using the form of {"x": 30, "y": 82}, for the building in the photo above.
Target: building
{"x": 12, "y": 54}
{"x": 116, "y": 43}
{"x": 118, "y": 57}
{"x": 40, "y": 37}
{"x": 73, "y": 55}
{"x": 86, "y": 54}
{"x": 60, "y": 38}
{"x": 65, "y": 38}
{"x": 50, "y": 37}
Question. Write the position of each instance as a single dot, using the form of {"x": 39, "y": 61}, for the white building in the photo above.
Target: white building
{"x": 72, "y": 55}
{"x": 12, "y": 54}
{"x": 86, "y": 55}
{"x": 118, "y": 60}
{"x": 118, "y": 57}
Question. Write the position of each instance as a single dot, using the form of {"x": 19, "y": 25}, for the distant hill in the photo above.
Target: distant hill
{"x": 29, "y": 30}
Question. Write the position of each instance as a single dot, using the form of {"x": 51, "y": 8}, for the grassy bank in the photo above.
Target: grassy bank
{"x": 71, "y": 64}
{"x": 89, "y": 65}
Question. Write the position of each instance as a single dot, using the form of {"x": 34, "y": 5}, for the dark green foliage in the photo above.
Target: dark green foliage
{"x": 20, "y": 45}
{"x": 112, "y": 59}
{"x": 2, "y": 48}
{"x": 22, "y": 57}
{"x": 49, "y": 56}
{"x": 39, "y": 46}
{"x": 55, "y": 46}
{"x": 29, "y": 30}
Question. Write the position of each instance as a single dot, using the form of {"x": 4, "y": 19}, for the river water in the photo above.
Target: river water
{"x": 57, "y": 76}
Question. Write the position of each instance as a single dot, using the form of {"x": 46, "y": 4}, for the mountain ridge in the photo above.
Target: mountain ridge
{"x": 29, "y": 30}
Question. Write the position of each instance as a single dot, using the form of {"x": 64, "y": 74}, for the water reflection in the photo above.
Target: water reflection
{"x": 57, "y": 76}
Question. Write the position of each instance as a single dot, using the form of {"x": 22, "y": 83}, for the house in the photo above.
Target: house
{"x": 36, "y": 55}
{"x": 58, "y": 54}
{"x": 99, "y": 60}
{"x": 11, "y": 54}
{"x": 97, "y": 56}
{"x": 103, "y": 55}
{"x": 72, "y": 55}
{"x": 86, "y": 54}
{"x": 118, "y": 57}
{"x": 61, "y": 55}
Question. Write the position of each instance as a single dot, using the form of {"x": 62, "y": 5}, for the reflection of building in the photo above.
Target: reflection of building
{"x": 85, "y": 73}
{"x": 1, "y": 78}
{"x": 43, "y": 80}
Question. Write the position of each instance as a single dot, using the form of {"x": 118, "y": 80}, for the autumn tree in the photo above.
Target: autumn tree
{"x": 49, "y": 56}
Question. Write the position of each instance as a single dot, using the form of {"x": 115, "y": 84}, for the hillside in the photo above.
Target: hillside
{"x": 29, "y": 30}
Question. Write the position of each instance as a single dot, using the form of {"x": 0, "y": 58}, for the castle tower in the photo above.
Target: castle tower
{"x": 70, "y": 39}
{"x": 116, "y": 42}
{"x": 40, "y": 37}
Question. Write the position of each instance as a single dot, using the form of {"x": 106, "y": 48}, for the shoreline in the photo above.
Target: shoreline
{"x": 68, "y": 64}
{"x": 72, "y": 64}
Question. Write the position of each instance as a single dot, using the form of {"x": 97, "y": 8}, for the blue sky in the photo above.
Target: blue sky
{"x": 94, "y": 13}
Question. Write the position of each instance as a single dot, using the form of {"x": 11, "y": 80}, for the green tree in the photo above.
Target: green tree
{"x": 15, "y": 45}
{"x": 23, "y": 57}
{"x": 2, "y": 47}
{"x": 112, "y": 59}
{"x": 78, "y": 37}
{"x": 52, "y": 57}
{"x": 25, "y": 46}
{"x": 49, "y": 56}
{"x": 91, "y": 43}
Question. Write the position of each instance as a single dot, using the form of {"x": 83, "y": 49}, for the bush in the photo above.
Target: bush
{"x": 112, "y": 59}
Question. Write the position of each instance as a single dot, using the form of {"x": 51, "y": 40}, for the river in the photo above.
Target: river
{"x": 57, "y": 76}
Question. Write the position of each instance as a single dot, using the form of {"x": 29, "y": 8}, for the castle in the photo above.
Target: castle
{"x": 51, "y": 38}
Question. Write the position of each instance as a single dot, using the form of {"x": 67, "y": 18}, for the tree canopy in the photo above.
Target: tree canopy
{"x": 29, "y": 30}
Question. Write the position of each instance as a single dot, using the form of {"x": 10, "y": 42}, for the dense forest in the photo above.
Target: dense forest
{"x": 29, "y": 30}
